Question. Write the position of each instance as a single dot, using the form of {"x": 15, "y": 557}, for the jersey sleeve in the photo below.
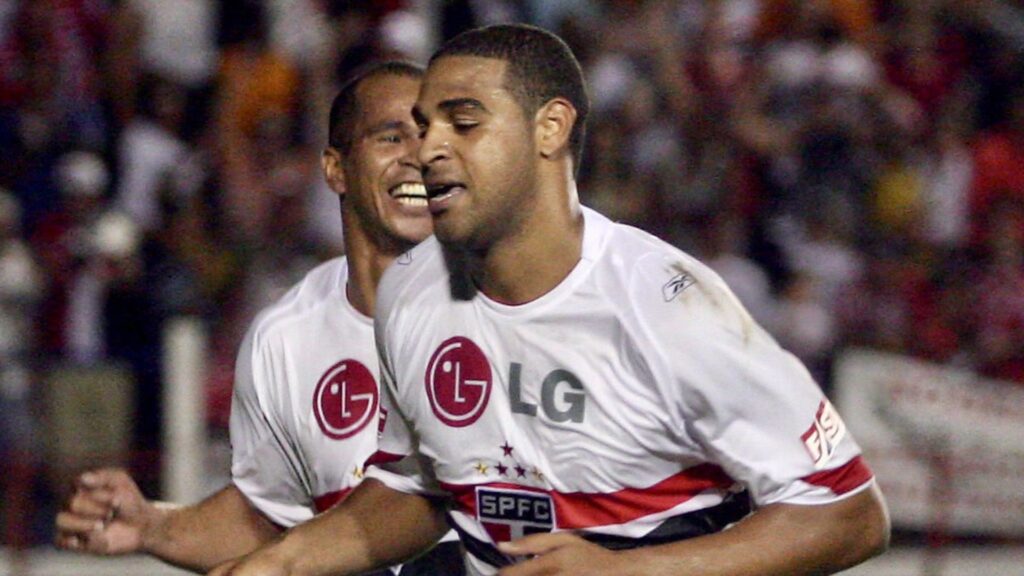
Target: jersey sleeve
{"x": 751, "y": 406}
{"x": 397, "y": 462}
{"x": 264, "y": 466}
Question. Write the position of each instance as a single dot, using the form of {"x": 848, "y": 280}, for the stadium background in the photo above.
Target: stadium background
{"x": 853, "y": 168}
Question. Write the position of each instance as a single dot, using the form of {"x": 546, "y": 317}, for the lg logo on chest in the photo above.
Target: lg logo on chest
{"x": 561, "y": 395}
{"x": 459, "y": 380}
{"x": 345, "y": 399}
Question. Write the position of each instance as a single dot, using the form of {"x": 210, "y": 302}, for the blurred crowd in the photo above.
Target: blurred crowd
{"x": 853, "y": 168}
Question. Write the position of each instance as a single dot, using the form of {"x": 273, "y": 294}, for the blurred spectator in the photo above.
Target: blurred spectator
{"x": 122, "y": 61}
{"x": 257, "y": 102}
{"x": 998, "y": 157}
{"x": 150, "y": 150}
{"x": 821, "y": 251}
{"x": 32, "y": 144}
{"x": 48, "y": 63}
{"x": 926, "y": 59}
{"x": 118, "y": 315}
{"x": 874, "y": 312}
{"x": 1000, "y": 294}
{"x": 853, "y": 18}
{"x": 806, "y": 327}
{"x": 948, "y": 170}
{"x": 944, "y": 323}
{"x": 609, "y": 184}
{"x": 62, "y": 240}
{"x": 459, "y": 15}
{"x": 551, "y": 14}
{"x": 299, "y": 30}
{"x": 723, "y": 248}
{"x": 286, "y": 250}
{"x": 178, "y": 40}
{"x": 21, "y": 284}
{"x": 898, "y": 202}
{"x": 652, "y": 145}
{"x": 110, "y": 260}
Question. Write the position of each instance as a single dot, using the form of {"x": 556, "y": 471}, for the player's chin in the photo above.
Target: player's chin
{"x": 412, "y": 231}
{"x": 447, "y": 230}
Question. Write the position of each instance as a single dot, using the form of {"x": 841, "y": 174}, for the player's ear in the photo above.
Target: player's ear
{"x": 554, "y": 122}
{"x": 334, "y": 172}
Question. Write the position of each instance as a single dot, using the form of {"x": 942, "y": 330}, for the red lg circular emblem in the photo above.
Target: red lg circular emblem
{"x": 458, "y": 382}
{"x": 345, "y": 400}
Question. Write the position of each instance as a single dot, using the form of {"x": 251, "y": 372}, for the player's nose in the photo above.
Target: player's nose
{"x": 411, "y": 155}
{"x": 434, "y": 147}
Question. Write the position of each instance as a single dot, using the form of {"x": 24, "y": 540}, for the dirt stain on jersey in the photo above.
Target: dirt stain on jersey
{"x": 683, "y": 279}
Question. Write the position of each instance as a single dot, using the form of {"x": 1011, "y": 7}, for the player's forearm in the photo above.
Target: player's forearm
{"x": 203, "y": 535}
{"x": 782, "y": 540}
{"x": 374, "y": 528}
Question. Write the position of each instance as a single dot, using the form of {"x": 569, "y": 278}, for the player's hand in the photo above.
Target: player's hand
{"x": 106, "y": 514}
{"x": 560, "y": 553}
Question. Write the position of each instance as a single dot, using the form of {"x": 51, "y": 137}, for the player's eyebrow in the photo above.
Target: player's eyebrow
{"x": 385, "y": 126}
{"x": 454, "y": 104}
{"x": 418, "y": 117}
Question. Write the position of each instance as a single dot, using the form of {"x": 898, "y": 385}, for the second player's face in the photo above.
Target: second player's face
{"x": 382, "y": 173}
{"x": 477, "y": 151}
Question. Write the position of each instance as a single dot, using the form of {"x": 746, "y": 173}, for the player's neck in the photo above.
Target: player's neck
{"x": 366, "y": 264}
{"x": 533, "y": 261}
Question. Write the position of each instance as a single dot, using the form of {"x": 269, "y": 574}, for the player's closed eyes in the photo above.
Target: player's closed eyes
{"x": 464, "y": 126}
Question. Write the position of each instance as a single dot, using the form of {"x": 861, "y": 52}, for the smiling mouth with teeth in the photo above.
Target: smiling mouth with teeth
{"x": 410, "y": 194}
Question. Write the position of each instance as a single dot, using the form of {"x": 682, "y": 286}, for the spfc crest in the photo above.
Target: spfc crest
{"x": 509, "y": 514}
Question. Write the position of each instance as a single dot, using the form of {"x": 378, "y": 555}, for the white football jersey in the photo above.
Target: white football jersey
{"x": 637, "y": 402}
{"x": 305, "y": 405}
{"x": 305, "y": 410}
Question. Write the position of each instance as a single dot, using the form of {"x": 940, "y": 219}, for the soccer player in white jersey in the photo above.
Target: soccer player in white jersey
{"x": 305, "y": 410}
{"x": 590, "y": 399}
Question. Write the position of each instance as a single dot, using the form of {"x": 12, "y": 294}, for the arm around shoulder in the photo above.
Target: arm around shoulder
{"x": 373, "y": 528}
{"x": 782, "y": 539}
{"x": 201, "y": 536}
{"x": 778, "y": 540}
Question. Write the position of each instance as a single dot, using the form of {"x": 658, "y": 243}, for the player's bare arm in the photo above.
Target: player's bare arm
{"x": 373, "y": 528}
{"x": 108, "y": 515}
{"x": 780, "y": 539}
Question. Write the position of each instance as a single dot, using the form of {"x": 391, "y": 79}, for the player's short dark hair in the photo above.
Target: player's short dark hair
{"x": 345, "y": 107}
{"x": 540, "y": 66}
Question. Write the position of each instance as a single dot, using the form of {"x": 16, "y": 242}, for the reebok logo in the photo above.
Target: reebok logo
{"x": 677, "y": 284}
